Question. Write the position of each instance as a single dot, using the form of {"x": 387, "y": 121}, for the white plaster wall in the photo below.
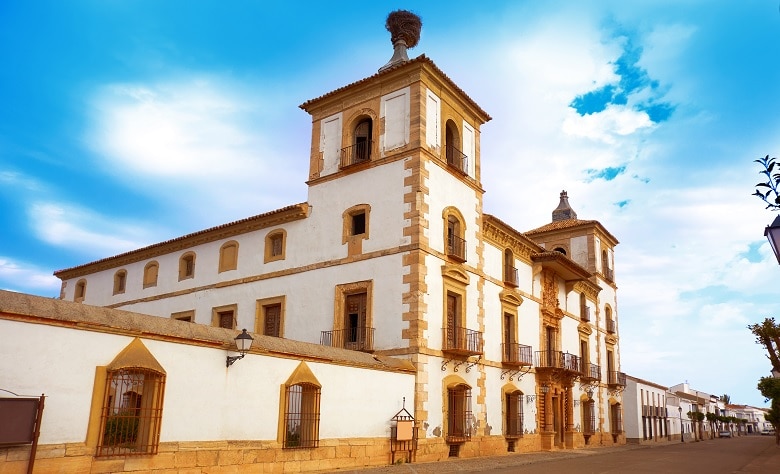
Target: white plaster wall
{"x": 315, "y": 239}
{"x": 309, "y": 302}
{"x": 450, "y": 191}
{"x": 437, "y": 392}
{"x": 494, "y": 399}
{"x": 204, "y": 400}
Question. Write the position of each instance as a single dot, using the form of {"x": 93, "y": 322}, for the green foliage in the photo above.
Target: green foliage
{"x": 121, "y": 429}
{"x": 696, "y": 415}
{"x": 768, "y": 191}
{"x": 768, "y": 335}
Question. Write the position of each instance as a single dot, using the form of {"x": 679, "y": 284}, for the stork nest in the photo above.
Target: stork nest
{"x": 404, "y": 25}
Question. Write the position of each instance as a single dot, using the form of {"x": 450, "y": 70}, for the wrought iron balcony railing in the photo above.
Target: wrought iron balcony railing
{"x": 462, "y": 341}
{"x": 516, "y": 354}
{"x": 456, "y": 248}
{"x": 510, "y": 276}
{"x": 356, "y": 339}
{"x": 357, "y": 153}
{"x": 611, "y": 326}
{"x": 457, "y": 159}
{"x": 616, "y": 378}
{"x": 558, "y": 360}
{"x": 591, "y": 372}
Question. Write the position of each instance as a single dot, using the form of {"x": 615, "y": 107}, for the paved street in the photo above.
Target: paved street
{"x": 742, "y": 454}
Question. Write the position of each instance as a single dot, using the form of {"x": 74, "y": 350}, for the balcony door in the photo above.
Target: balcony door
{"x": 355, "y": 320}
{"x": 509, "y": 337}
{"x": 453, "y": 321}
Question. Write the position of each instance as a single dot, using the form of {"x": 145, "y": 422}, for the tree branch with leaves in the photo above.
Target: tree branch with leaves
{"x": 768, "y": 191}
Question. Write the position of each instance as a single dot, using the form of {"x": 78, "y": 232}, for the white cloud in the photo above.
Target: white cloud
{"x": 84, "y": 231}
{"x": 614, "y": 122}
{"x": 16, "y": 275}
{"x": 201, "y": 141}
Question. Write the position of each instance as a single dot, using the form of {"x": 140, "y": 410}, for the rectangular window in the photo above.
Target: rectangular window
{"x": 224, "y": 316}
{"x": 272, "y": 320}
{"x": 188, "y": 316}
{"x": 514, "y": 414}
{"x": 359, "y": 223}
{"x": 458, "y": 414}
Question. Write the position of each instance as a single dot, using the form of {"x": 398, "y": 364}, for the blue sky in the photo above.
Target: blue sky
{"x": 117, "y": 118}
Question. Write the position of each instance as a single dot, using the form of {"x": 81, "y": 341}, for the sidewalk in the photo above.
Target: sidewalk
{"x": 767, "y": 461}
{"x": 489, "y": 462}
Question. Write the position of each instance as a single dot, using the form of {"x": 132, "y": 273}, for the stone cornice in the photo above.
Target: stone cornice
{"x": 503, "y": 236}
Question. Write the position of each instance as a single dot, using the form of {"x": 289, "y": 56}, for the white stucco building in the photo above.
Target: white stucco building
{"x": 513, "y": 335}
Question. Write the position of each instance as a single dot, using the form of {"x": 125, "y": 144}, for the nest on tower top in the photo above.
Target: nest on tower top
{"x": 405, "y": 26}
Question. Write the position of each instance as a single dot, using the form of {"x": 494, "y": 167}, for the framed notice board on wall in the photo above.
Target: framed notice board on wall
{"x": 19, "y": 416}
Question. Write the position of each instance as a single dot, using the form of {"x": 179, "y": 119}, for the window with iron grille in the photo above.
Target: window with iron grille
{"x": 514, "y": 414}
{"x": 132, "y": 412}
{"x": 302, "y": 416}
{"x": 274, "y": 245}
{"x": 589, "y": 417}
{"x": 616, "y": 416}
{"x": 459, "y": 413}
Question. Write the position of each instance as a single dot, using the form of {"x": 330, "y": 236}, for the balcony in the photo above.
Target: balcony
{"x": 356, "y": 339}
{"x": 591, "y": 372}
{"x": 584, "y": 313}
{"x": 456, "y": 248}
{"x": 510, "y": 277}
{"x": 616, "y": 379}
{"x": 611, "y": 326}
{"x": 457, "y": 159}
{"x": 557, "y": 360}
{"x": 357, "y": 153}
{"x": 609, "y": 274}
{"x": 516, "y": 355}
{"x": 462, "y": 341}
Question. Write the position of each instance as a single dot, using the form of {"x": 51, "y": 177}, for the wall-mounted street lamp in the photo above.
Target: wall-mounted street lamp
{"x": 772, "y": 233}
{"x": 590, "y": 394}
{"x": 681, "y": 427}
{"x": 243, "y": 343}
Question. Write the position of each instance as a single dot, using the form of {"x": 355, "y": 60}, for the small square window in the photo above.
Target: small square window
{"x": 359, "y": 223}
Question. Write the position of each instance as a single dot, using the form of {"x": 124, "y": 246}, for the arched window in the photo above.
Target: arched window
{"x": 605, "y": 268}
{"x": 81, "y": 291}
{"x": 187, "y": 266}
{"x": 584, "y": 310}
{"x": 609, "y": 320}
{"x": 510, "y": 271}
{"x": 513, "y": 409}
{"x": 132, "y": 403}
{"x": 360, "y": 149}
{"x": 455, "y": 157}
{"x": 120, "y": 281}
{"x": 275, "y": 243}
{"x": 561, "y": 250}
{"x": 458, "y": 413}
{"x": 454, "y": 241}
{"x": 150, "y": 274}
{"x": 228, "y": 256}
